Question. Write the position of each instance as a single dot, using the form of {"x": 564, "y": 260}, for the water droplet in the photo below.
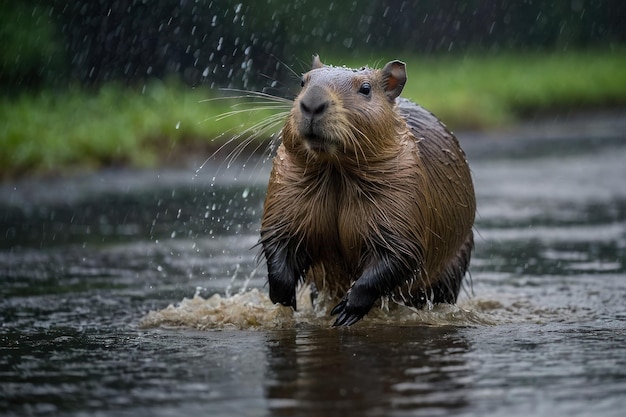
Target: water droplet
{"x": 178, "y": 125}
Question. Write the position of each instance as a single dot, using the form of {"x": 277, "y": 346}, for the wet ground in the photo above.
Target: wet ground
{"x": 541, "y": 331}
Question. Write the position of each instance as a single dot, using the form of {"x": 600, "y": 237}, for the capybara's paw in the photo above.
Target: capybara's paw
{"x": 354, "y": 305}
{"x": 283, "y": 292}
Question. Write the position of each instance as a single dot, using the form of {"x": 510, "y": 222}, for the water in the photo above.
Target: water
{"x": 541, "y": 330}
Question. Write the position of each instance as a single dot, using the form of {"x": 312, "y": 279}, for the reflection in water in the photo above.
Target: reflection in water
{"x": 347, "y": 372}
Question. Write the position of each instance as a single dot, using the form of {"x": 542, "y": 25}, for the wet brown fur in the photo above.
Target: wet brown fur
{"x": 369, "y": 197}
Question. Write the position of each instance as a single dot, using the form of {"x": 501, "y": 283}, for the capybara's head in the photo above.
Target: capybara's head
{"x": 345, "y": 113}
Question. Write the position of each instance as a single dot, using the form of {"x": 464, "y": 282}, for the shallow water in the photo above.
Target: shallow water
{"x": 541, "y": 330}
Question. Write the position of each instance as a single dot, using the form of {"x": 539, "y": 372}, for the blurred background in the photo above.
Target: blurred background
{"x": 120, "y": 79}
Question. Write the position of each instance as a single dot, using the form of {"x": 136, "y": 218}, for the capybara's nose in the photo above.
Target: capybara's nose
{"x": 314, "y": 102}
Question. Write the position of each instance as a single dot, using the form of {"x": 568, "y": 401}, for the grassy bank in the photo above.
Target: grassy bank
{"x": 477, "y": 92}
{"x": 77, "y": 130}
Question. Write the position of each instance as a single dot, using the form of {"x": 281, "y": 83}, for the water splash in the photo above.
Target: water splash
{"x": 249, "y": 310}
{"x": 252, "y": 309}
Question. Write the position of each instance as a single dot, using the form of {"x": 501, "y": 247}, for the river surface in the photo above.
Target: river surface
{"x": 90, "y": 264}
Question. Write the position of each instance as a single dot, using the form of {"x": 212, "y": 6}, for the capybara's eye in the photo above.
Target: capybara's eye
{"x": 365, "y": 89}
{"x": 302, "y": 82}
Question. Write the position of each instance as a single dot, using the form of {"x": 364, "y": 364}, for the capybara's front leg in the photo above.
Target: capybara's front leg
{"x": 285, "y": 268}
{"x": 379, "y": 278}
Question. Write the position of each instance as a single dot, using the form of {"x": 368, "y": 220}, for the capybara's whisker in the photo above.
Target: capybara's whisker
{"x": 255, "y": 94}
{"x": 255, "y": 104}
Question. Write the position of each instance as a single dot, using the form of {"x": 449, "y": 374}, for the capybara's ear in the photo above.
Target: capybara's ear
{"x": 394, "y": 78}
{"x": 317, "y": 62}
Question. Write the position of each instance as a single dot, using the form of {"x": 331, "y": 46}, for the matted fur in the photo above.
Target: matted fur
{"x": 370, "y": 196}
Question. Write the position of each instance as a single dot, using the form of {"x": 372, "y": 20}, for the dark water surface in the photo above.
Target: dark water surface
{"x": 83, "y": 260}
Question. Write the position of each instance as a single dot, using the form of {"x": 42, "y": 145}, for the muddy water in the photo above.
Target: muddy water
{"x": 89, "y": 266}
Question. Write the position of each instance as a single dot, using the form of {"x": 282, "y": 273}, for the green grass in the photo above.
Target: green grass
{"x": 477, "y": 92}
{"x": 75, "y": 130}
{"x": 60, "y": 132}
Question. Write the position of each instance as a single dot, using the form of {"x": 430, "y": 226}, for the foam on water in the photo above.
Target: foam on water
{"x": 248, "y": 310}
{"x": 253, "y": 309}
